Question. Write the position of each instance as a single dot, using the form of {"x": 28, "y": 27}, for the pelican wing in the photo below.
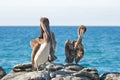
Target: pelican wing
{"x": 34, "y": 42}
{"x": 79, "y": 53}
{"x": 53, "y": 41}
{"x": 69, "y": 52}
{"x": 52, "y": 57}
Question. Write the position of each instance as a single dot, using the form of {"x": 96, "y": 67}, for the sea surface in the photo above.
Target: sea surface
{"x": 101, "y": 45}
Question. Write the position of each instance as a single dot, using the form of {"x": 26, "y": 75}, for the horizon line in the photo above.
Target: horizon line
{"x": 60, "y": 25}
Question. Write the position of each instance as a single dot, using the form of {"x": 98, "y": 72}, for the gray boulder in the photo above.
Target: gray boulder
{"x": 89, "y": 73}
{"x": 40, "y": 75}
{"x": 2, "y": 72}
{"x": 110, "y": 76}
{"x": 22, "y": 67}
{"x": 52, "y": 71}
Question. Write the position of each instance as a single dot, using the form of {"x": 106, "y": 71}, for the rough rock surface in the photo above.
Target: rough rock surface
{"x": 2, "y": 72}
{"x": 52, "y": 71}
{"x": 40, "y": 75}
{"x": 110, "y": 76}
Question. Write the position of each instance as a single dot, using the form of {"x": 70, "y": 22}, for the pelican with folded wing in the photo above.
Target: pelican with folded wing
{"x": 35, "y": 43}
{"x": 74, "y": 49}
{"x": 41, "y": 46}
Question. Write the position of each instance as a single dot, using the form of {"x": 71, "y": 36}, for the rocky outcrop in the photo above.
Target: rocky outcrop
{"x": 2, "y": 72}
{"x": 110, "y": 76}
{"x": 27, "y": 75}
{"x": 52, "y": 71}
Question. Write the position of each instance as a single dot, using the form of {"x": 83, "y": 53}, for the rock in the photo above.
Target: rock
{"x": 41, "y": 67}
{"x": 110, "y": 76}
{"x": 80, "y": 78}
{"x": 52, "y": 71}
{"x": 89, "y": 73}
{"x": 73, "y": 67}
{"x": 59, "y": 66}
{"x": 54, "y": 67}
{"x": 50, "y": 68}
{"x": 40, "y": 75}
{"x": 2, "y": 72}
{"x": 68, "y": 78}
{"x": 58, "y": 78}
{"x": 22, "y": 67}
{"x": 62, "y": 73}
{"x": 91, "y": 70}
{"x": 52, "y": 74}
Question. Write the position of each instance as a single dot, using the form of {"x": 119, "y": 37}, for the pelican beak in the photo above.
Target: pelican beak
{"x": 45, "y": 29}
{"x": 81, "y": 34}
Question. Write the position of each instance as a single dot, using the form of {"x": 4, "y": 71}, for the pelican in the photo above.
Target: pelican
{"x": 35, "y": 44}
{"x": 74, "y": 49}
{"x": 41, "y": 45}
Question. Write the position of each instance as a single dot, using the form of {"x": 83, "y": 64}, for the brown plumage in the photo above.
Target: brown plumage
{"x": 74, "y": 49}
{"x": 36, "y": 43}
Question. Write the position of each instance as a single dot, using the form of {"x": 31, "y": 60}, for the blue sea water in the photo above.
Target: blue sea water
{"x": 101, "y": 44}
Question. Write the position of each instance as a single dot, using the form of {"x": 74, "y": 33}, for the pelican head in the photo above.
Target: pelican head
{"x": 44, "y": 23}
{"x": 81, "y": 31}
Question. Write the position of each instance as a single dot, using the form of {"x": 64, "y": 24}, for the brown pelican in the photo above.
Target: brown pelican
{"x": 74, "y": 49}
{"x": 34, "y": 42}
{"x": 43, "y": 46}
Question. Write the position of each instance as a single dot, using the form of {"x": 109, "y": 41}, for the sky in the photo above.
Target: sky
{"x": 60, "y": 12}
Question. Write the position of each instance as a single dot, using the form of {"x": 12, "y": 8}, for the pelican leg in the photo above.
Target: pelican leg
{"x": 37, "y": 68}
{"x": 77, "y": 59}
{"x": 67, "y": 60}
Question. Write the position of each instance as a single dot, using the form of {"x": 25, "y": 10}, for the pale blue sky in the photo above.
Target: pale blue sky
{"x": 60, "y": 12}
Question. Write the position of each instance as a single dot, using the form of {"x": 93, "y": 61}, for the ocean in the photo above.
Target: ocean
{"x": 101, "y": 45}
